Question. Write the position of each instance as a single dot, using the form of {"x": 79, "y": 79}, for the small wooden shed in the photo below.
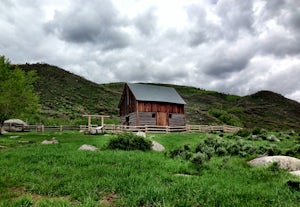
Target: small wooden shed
{"x": 143, "y": 104}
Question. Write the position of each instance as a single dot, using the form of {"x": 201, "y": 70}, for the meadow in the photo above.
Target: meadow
{"x": 39, "y": 175}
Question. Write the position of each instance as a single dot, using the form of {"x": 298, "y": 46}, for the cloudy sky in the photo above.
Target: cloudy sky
{"x": 231, "y": 46}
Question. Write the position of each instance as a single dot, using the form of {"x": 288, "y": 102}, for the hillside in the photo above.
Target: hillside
{"x": 65, "y": 97}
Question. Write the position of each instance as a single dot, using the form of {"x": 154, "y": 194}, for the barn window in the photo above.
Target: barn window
{"x": 170, "y": 116}
{"x": 153, "y": 115}
{"x": 127, "y": 121}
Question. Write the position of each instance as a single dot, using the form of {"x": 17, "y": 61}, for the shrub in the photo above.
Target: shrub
{"x": 256, "y": 131}
{"x": 221, "y": 151}
{"x": 293, "y": 151}
{"x": 270, "y": 150}
{"x": 203, "y": 148}
{"x": 199, "y": 159}
{"x": 225, "y": 117}
{"x": 181, "y": 152}
{"x": 243, "y": 133}
{"x": 210, "y": 141}
{"x": 249, "y": 149}
{"x": 129, "y": 141}
{"x": 293, "y": 185}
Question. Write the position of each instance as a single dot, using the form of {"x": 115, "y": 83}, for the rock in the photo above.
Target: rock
{"x": 23, "y": 141}
{"x": 52, "y": 141}
{"x": 295, "y": 172}
{"x": 2, "y": 147}
{"x": 14, "y": 137}
{"x": 272, "y": 138}
{"x": 141, "y": 134}
{"x": 284, "y": 162}
{"x": 157, "y": 147}
{"x": 183, "y": 175}
{"x": 88, "y": 147}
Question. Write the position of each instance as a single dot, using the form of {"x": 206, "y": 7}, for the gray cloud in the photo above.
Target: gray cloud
{"x": 95, "y": 22}
{"x": 230, "y": 46}
{"x": 146, "y": 22}
{"x": 236, "y": 17}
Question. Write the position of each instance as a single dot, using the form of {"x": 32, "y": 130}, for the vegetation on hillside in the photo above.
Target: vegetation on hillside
{"x": 65, "y": 97}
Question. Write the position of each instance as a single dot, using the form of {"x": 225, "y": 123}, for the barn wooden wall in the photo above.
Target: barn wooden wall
{"x": 147, "y": 118}
{"x": 177, "y": 120}
{"x": 145, "y": 113}
{"x": 127, "y": 103}
{"x": 160, "y": 107}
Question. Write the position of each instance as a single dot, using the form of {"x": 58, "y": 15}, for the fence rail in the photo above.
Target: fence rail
{"x": 112, "y": 128}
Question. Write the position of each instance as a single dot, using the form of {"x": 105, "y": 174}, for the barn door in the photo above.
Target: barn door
{"x": 162, "y": 119}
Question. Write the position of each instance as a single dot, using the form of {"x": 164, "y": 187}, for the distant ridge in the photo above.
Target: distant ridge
{"x": 66, "y": 96}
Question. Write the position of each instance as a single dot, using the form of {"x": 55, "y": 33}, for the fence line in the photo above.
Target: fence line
{"x": 113, "y": 128}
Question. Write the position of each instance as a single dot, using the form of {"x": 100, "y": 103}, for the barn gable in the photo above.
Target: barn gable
{"x": 143, "y": 104}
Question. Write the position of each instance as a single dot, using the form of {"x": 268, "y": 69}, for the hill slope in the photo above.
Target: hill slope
{"x": 65, "y": 97}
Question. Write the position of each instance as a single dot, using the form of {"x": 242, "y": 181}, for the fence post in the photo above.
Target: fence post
{"x": 146, "y": 128}
{"x": 43, "y": 128}
{"x": 61, "y": 128}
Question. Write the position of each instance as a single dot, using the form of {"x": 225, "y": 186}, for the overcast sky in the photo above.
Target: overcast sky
{"x": 231, "y": 46}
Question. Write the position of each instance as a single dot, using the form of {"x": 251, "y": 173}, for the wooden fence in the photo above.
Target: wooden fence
{"x": 43, "y": 128}
{"x": 112, "y": 128}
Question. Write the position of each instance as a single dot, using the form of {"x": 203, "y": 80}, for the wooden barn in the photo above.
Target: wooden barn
{"x": 143, "y": 104}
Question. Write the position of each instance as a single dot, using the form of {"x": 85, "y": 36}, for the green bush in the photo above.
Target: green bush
{"x": 225, "y": 117}
{"x": 270, "y": 150}
{"x": 199, "y": 159}
{"x": 181, "y": 152}
{"x": 203, "y": 148}
{"x": 129, "y": 141}
{"x": 243, "y": 133}
{"x": 256, "y": 131}
{"x": 294, "y": 151}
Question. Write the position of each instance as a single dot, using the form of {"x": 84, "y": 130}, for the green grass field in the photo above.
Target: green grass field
{"x": 39, "y": 175}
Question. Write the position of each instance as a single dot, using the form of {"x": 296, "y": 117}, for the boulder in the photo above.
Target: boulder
{"x": 141, "y": 134}
{"x": 157, "y": 147}
{"x": 297, "y": 173}
{"x": 284, "y": 162}
{"x": 14, "y": 137}
{"x": 23, "y": 141}
{"x": 52, "y": 141}
{"x": 88, "y": 147}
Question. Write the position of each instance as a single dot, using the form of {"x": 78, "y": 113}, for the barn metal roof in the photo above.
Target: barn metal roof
{"x": 143, "y": 92}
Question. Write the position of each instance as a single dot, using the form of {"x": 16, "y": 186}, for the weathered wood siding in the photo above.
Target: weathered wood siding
{"x": 131, "y": 117}
{"x": 127, "y": 103}
{"x": 140, "y": 113}
{"x": 147, "y": 118}
{"x": 150, "y": 118}
{"x": 176, "y": 119}
{"x": 160, "y": 107}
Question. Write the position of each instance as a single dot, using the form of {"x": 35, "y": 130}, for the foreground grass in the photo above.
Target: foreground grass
{"x": 60, "y": 175}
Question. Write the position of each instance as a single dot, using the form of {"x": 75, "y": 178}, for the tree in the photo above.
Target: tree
{"x": 17, "y": 96}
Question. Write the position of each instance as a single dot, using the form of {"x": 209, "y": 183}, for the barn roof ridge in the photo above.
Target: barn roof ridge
{"x": 145, "y": 92}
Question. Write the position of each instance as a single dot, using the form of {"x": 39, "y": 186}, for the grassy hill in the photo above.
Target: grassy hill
{"x": 65, "y": 97}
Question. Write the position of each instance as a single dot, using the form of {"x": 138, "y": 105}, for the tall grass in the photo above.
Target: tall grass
{"x": 60, "y": 175}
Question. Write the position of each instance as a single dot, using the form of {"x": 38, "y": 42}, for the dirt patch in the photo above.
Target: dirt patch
{"x": 18, "y": 192}
{"x": 109, "y": 200}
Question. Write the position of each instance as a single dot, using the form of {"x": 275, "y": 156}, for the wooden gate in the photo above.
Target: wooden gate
{"x": 162, "y": 119}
